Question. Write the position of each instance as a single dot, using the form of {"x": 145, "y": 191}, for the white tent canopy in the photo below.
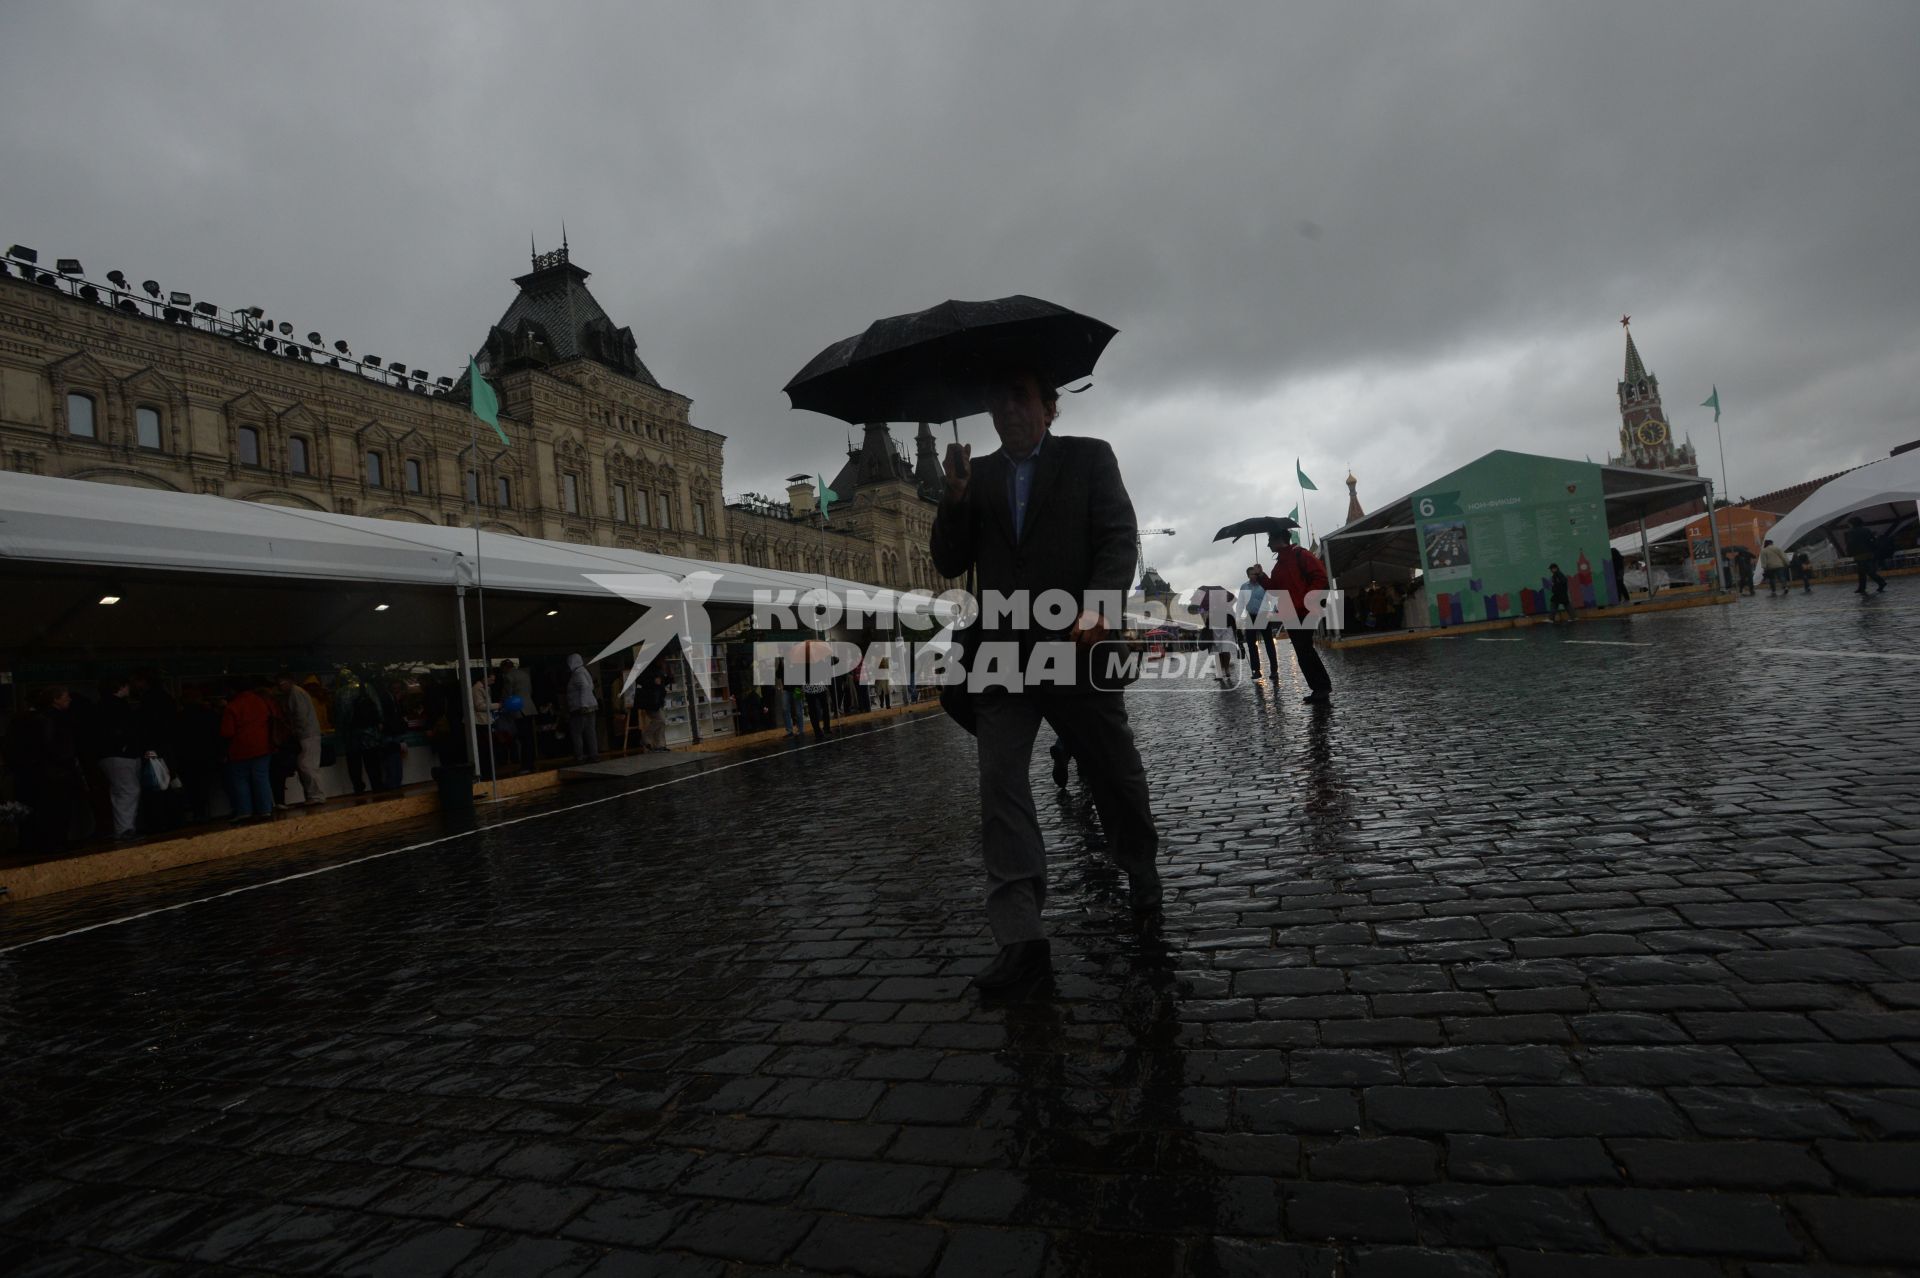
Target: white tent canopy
{"x": 1883, "y": 493}
{"x": 74, "y": 522}
{"x": 1630, "y": 543}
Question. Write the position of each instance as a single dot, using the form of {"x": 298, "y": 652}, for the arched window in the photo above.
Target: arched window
{"x": 664, "y": 509}
{"x": 619, "y": 503}
{"x": 570, "y": 492}
{"x": 146, "y": 426}
{"x": 248, "y": 438}
{"x": 299, "y": 459}
{"x": 416, "y": 478}
{"x": 376, "y": 470}
{"x": 503, "y": 492}
{"x": 699, "y": 519}
{"x": 80, "y": 415}
{"x": 473, "y": 487}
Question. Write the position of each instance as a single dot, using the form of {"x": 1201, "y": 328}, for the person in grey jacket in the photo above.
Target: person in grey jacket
{"x": 582, "y": 711}
{"x": 303, "y": 722}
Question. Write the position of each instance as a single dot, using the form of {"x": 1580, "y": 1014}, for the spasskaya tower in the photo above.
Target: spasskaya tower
{"x": 1646, "y": 440}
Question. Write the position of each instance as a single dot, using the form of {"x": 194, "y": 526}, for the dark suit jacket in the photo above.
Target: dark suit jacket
{"x": 1078, "y": 535}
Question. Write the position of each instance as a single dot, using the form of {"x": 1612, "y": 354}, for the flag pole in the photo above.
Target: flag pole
{"x": 1713, "y": 401}
{"x": 480, "y": 599}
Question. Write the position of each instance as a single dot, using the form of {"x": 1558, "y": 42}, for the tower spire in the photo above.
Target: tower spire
{"x": 1636, "y": 371}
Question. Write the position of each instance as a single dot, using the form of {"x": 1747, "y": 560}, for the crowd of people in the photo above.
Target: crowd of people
{"x": 132, "y": 760}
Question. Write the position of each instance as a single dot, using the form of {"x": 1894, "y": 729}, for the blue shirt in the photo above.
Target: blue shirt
{"x": 1023, "y": 486}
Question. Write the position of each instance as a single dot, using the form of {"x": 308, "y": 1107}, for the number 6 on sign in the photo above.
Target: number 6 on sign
{"x": 1426, "y": 507}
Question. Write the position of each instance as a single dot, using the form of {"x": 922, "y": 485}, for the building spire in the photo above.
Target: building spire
{"x": 1354, "y": 513}
{"x": 1636, "y": 371}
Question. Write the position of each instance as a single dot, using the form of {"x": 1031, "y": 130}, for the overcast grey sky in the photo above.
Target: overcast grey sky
{"x": 1385, "y": 236}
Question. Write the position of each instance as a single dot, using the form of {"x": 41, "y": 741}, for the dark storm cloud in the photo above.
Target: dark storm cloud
{"x": 1390, "y": 237}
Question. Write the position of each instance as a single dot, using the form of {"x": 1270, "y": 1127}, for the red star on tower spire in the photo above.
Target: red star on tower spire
{"x": 1624, "y": 319}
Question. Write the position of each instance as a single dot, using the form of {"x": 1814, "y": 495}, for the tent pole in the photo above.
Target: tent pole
{"x": 1646, "y": 559}
{"x": 1336, "y": 614}
{"x": 466, "y": 678}
{"x": 1713, "y": 527}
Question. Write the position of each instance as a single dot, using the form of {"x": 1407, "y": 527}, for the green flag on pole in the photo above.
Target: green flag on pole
{"x": 486, "y": 404}
{"x": 827, "y": 497}
{"x": 1293, "y": 534}
{"x": 1713, "y": 401}
{"x": 1305, "y": 483}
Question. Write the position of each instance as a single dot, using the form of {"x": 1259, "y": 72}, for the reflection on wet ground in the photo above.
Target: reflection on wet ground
{"x": 1522, "y": 955}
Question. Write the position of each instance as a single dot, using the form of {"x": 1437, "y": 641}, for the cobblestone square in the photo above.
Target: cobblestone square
{"x": 1578, "y": 951}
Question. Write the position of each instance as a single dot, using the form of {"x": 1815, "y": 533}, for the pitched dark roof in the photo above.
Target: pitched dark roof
{"x": 553, "y": 319}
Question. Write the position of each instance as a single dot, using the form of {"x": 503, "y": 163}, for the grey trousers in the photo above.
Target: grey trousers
{"x": 123, "y": 789}
{"x": 1015, "y": 855}
{"x": 309, "y": 770}
{"x": 583, "y": 732}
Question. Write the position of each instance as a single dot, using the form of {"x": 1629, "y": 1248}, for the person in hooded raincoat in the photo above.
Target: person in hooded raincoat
{"x": 583, "y": 708}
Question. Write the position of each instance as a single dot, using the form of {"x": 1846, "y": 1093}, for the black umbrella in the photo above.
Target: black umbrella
{"x": 928, "y": 366}
{"x": 1275, "y": 524}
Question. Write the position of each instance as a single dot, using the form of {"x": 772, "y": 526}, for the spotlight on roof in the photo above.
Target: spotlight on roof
{"x": 444, "y": 383}
{"x": 69, "y": 266}
{"x": 286, "y": 329}
{"x": 342, "y": 348}
{"x": 152, "y": 287}
{"x": 21, "y": 253}
{"x": 173, "y": 315}
{"x": 314, "y": 339}
{"x": 46, "y": 277}
{"x": 180, "y": 299}
{"x": 126, "y": 304}
{"x": 4, "y": 270}
{"x": 420, "y": 374}
{"x": 398, "y": 367}
{"x": 206, "y": 308}
{"x": 88, "y": 293}
{"x": 252, "y": 312}
{"x": 268, "y": 345}
{"x": 371, "y": 361}
{"x": 117, "y": 279}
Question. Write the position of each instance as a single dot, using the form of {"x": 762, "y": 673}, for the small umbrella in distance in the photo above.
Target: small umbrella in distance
{"x": 926, "y": 366}
{"x": 1278, "y": 525}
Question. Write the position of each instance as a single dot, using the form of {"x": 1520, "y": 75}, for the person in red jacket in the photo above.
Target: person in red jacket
{"x": 249, "y": 728}
{"x": 1296, "y": 572}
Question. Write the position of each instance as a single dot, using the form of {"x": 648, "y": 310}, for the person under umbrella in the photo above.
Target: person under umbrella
{"x": 1044, "y": 513}
{"x": 1297, "y": 573}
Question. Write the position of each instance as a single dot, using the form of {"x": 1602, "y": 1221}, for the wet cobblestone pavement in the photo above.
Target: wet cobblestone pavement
{"x": 1572, "y": 952}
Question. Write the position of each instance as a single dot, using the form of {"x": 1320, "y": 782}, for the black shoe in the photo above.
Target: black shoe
{"x": 1143, "y": 891}
{"x": 1059, "y": 771}
{"x": 1316, "y": 698}
{"x": 1022, "y": 961}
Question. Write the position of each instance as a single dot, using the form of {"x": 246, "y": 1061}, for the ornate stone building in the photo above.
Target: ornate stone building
{"x": 876, "y": 528}
{"x": 98, "y": 382}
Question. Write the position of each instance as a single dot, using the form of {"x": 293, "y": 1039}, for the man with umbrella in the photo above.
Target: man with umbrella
{"x": 1044, "y": 516}
{"x": 1297, "y": 573}
{"x": 1044, "y": 513}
